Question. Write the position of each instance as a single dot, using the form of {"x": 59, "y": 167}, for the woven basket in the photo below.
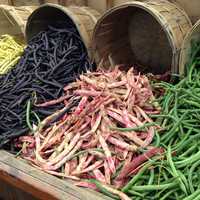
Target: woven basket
{"x": 13, "y": 19}
{"x": 147, "y": 34}
{"x": 84, "y": 18}
{"x": 193, "y": 35}
{"x": 192, "y": 8}
{"x": 73, "y": 2}
{"x": 67, "y": 2}
{"x": 4, "y": 2}
{"x": 24, "y": 2}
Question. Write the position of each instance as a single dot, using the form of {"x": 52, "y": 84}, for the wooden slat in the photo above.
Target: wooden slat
{"x": 10, "y": 193}
{"x": 109, "y": 4}
{"x": 39, "y": 184}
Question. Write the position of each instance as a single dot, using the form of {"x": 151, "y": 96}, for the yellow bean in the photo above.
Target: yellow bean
{"x": 10, "y": 52}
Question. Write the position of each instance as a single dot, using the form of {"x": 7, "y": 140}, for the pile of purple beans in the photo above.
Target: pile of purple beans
{"x": 52, "y": 59}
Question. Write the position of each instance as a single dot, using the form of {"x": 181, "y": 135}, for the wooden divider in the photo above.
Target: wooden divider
{"x": 16, "y": 174}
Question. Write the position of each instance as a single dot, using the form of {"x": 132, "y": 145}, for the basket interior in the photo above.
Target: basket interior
{"x": 132, "y": 36}
{"x": 46, "y": 16}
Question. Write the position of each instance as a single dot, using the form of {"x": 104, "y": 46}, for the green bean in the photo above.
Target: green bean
{"x": 176, "y": 105}
{"x": 173, "y": 140}
{"x": 189, "y": 93}
{"x": 166, "y": 120}
{"x": 197, "y": 198}
{"x": 187, "y": 142}
{"x": 170, "y": 134}
{"x": 165, "y": 175}
{"x": 198, "y": 82}
{"x": 158, "y": 193}
{"x": 192, "y": 125}
{"x": 188, "y": 85}
{"x": 103, "y": 190}
{"x": 167, "y": 103}
{"x": 119, "y": 167}
{"x": 188, "y": 161}
{"x": 157, "y": 141}
{"x": 151, "y": 178}
{"x": 190, "y": 175}
{"x": 171, "y": 163}
{"x": 168, "y": 194}
{"x": 140, "y": 128}
{"x": 193, "y": 195}
{"x": 192, "y": 103}
{"x": 37, "y": 117}
{"x": 137, "y": 198}
{"x": 190, "y": 150}
{"x": 160, "y": 169}
{"x": 183, "y": 178}
{"x": 137, "y": 176}
{"x": 28, "y": 109}
{"x": 190, "y": 111}
{"x": 163, "y": 84}
{"x": 196, "y": 115}
{"x": 179, "y": 119}
{"x": 154, "y": 187}
{"x": 194, "y": 129}
{"x": 136, "y": 193}
{"x": 190, "y": 72}
{"x": 181, "y": 83}
{"x": 165, "y": 116}
{"x": 141, "y": 181}
{"x": 181, "y": 133}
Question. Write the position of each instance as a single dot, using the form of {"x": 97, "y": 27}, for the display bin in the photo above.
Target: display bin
{"x": 21, "y": 181}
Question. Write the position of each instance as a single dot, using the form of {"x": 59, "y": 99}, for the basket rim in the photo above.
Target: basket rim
{"x": 41, "y": 7}
{"x": 65, "y": 10}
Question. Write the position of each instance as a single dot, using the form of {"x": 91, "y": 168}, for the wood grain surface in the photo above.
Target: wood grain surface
{"x": 16, "y": 173}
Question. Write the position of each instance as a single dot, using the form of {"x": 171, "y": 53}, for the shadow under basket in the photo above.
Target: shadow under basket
{"x": 147, "y": 35}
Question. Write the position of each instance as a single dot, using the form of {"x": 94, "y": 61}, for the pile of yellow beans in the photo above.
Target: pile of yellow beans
{"x": 10, "y": 52}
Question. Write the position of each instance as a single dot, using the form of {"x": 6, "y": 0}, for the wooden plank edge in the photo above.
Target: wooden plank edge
{"x": 35, "y": 182}
{"x": 26, "y": 183}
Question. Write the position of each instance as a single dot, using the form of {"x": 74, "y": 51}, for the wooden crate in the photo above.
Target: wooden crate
{"x": 20, "y": 181}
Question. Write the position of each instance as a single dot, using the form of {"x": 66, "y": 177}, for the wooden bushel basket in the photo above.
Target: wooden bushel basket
{"x": 24, "y": 2}
{"x": 13, "y": 19}
{"x": 148, "y": 34}
{"x": 84, "y": 19}
{"x": 193, "y": 35}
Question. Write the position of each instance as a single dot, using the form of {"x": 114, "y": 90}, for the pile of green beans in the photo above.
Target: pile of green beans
{"x": 176, "y": 174}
